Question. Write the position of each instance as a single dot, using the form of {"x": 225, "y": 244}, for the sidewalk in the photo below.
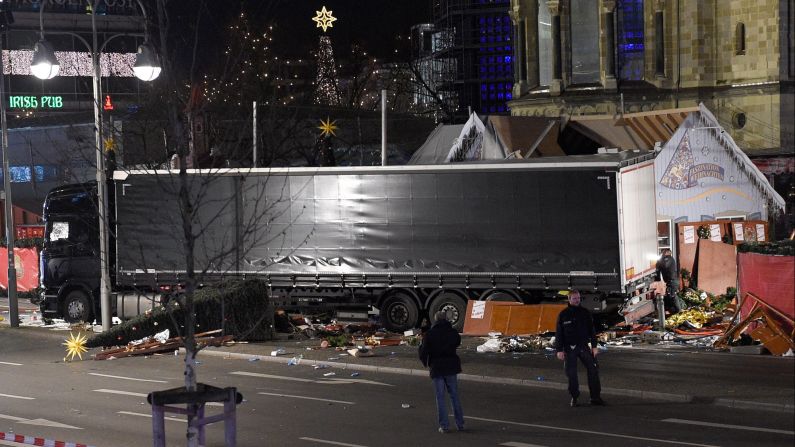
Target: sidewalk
{"x": 670, "y": 373}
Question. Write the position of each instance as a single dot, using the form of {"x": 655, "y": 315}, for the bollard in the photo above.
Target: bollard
{"x": 661, "y": 312}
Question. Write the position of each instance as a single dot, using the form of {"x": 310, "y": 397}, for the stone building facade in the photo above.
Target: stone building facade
{"x": 583, "y": 57}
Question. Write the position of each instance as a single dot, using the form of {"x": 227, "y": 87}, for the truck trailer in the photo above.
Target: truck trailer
{"x": 405, "y": 241}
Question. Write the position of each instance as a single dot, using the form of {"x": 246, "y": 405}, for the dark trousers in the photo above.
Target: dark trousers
{"x": 591, "y": 365}
{"x": 672, "y": 302}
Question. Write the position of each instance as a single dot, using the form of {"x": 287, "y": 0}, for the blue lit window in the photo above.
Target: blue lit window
{"x": 630, "y": 39}
{"x": 483, "y": 87}
{"x": 509, "y": 96}
{"x": 507, "y": 59}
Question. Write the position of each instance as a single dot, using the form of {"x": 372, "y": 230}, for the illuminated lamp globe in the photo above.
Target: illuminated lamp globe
{"x": 44, "y": 65}
{"x": 147, "y": 67}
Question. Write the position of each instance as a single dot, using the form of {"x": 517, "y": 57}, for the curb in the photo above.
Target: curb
{"x": 30, "y": 440}
{"x": 750, "y": 405}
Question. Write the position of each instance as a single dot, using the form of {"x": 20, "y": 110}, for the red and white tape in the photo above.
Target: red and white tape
{"x": 30, "y": 440}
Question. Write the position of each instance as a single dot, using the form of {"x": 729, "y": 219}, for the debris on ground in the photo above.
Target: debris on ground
{"x": 530, "y": 343}
{"x": 158, "y": 344}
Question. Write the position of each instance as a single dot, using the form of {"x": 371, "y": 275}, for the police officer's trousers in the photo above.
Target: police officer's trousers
{"x": 591, "y": 365}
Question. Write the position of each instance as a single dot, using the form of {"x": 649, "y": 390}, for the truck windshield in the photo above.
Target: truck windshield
{"x": 76, "y": 203}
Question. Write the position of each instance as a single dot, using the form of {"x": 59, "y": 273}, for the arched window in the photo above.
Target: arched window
{"x": 739, "y": 38}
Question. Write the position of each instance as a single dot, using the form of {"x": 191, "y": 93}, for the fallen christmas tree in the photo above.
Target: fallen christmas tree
{"x": 240, "y": 308}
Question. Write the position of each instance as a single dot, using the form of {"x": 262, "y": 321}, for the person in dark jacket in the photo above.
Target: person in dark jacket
{"x": 573, "y": 333}
{"x": 668, "y": 272}
{"x": 437, "y": 352}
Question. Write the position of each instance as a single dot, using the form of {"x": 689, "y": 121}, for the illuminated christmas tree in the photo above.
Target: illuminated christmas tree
{"x": 326, "y": 88}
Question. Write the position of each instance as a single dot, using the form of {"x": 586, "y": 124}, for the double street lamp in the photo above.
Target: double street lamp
{"x": 44, "y": 65}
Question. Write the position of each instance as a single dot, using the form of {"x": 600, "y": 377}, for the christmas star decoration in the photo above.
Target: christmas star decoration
{"x": 324, "y": 19}
{"x": 75, "y": 346}
{"x": 328, "y": 127}
{"x": 110, "y": 145}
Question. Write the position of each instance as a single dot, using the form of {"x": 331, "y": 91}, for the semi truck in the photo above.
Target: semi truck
{"x": 399, "y": 241}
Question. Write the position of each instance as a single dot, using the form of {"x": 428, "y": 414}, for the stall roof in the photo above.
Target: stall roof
{"x": 499, "y": 136}
{"x": 632, "y": 130}
{"x": 437, "y": 145}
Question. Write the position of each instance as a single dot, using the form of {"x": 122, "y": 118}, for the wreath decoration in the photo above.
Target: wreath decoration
{"x": 703, "y": 232}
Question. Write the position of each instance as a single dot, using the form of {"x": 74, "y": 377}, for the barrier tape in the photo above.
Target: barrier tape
{"x": 30, "y": 440}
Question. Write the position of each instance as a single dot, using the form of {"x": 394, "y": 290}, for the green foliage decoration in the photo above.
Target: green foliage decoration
{"x": 785, "y": 247}
{"x": 246, "y": 311}
{"x": 31, "y": 242}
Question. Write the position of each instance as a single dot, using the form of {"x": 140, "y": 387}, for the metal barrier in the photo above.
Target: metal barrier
{"x": 161, "y": 402}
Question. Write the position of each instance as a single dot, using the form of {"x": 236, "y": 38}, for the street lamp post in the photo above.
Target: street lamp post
{"x": 13, "y": 305}
{"x": 44, "y": 65}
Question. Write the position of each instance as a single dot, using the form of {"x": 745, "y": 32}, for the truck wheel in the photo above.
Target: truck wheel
{"x": 77, "y": 307}
{"x": 454, "y": 305}
{"x": 500, "y": 295}
{"x": 399, "y": 313}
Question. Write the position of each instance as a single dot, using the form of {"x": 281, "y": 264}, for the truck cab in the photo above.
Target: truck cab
{"x": 69, "y": 260}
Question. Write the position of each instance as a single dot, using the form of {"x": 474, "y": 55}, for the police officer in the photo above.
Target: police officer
{"x": 573, "y": 333}
{"x": 668, "y": 271}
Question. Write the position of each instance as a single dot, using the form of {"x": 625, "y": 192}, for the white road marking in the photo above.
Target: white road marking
{"x": 736, "y": 427}
{"x": 519, "y": 444}
{"x": 308, "y": 398}
{"x": 144, "y": 415}
{"x": 43, "y": 422}
{"x": 12, "y": 418}
{"x": 323, "y": 441}
{"x": 143, "y": 395}
{"x": 46, "y": 423}
{"x": 332, "y": 381}
{"x": 590, "y": 432}
{"x": 125, "y": 393}
{"x": 12, "y": 396}
{"x": 10, "y": 363}
{"x": 128, "y": 378}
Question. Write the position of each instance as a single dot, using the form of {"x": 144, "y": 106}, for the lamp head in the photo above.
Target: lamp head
{"x": 44, "y": 65}
{"x": 147, "y": 65}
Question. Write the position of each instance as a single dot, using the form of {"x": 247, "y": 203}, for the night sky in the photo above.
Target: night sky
{"x": 372, "y": 23}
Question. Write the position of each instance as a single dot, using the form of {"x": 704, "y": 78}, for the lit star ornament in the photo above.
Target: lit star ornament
{"x": 75, "y": 346}
{"x": 324, "y": 19}
{"x": 328, "y": 127}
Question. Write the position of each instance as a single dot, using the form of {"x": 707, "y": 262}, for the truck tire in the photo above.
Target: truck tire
{"x": 77, "y": 307}
{"x": 454, "y": 305}
{"x": 399, "y": 313}
{"x": 500, "y": 295}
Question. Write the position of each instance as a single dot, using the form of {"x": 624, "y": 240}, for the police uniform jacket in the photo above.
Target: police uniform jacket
{"x": 574, "y": 328}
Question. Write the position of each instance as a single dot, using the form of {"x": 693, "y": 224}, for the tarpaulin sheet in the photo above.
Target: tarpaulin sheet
{"x": 540, "y": 221}
{"x": 771, "y": 278}
{"x": 26, "y": 263}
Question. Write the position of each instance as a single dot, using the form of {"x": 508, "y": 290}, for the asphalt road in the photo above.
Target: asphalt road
{"x": 103, "y": 403}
